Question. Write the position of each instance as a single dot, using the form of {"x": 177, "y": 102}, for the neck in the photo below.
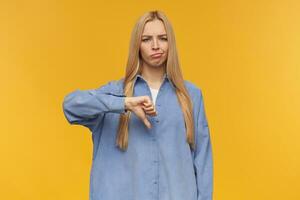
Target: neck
{"x": 153, "y": 75}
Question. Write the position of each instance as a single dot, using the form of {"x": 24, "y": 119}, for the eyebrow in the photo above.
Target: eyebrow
{"x": 151, "y": 36}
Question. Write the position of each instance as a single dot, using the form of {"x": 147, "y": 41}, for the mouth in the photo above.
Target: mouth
{"x": 157, "y": 55}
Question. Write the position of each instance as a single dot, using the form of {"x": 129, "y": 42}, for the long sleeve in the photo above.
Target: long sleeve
{"x": 203, "y": 160}
{"x": 87, "y": 107}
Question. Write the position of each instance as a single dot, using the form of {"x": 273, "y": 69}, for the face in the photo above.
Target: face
{"x": 154, "y": 41}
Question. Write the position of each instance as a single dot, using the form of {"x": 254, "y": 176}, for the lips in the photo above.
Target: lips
{"x": 157, "y": 55}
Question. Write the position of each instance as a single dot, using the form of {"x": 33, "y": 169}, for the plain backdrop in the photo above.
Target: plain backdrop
{"x": 244, "y": 55}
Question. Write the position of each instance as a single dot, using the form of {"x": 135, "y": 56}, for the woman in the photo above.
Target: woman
{"x": 150, "y": 134}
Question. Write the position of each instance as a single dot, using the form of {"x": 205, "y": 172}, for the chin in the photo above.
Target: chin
{"x": 157, "y": 65}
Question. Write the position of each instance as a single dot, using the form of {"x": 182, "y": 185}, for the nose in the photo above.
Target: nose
{"x": 155, "y": 44}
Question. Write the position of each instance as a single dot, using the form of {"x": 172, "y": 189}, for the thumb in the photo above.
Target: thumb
{"x": 147, "y": 123}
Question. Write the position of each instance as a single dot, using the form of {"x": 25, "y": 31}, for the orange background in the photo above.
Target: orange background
{"x": 244, "y": 55}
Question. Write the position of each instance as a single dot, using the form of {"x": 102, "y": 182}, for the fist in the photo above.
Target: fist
{"x": 141, "y": 106}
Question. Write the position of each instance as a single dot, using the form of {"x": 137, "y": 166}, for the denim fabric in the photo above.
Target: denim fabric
{"x": 158, "y": 164}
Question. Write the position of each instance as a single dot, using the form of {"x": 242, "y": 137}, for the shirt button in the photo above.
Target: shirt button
{"x": 155, "y": 161}
{"x": 157, "y": 120}
{"x": 155, "y": 182}
{"x": 153, "y": 139}
{"x": 158, "y": 104}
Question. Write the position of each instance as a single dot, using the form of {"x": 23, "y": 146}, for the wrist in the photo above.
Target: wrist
{"x": 127, "y": 107}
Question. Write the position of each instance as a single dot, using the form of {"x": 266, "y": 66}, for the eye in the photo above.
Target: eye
{"x": 164, "y": 39}
{"x": 144, "y": 40}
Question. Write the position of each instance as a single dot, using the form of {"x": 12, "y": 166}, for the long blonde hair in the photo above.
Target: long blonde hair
{"x": 172, "y": 69}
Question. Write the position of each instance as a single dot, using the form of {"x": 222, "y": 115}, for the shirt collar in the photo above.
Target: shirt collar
{"x": 165, "y": 78}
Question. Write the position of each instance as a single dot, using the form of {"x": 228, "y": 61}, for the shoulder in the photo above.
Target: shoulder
{"x": 194, "y": 91}
{"x": 112, "y": 86}
{"x": 196, "y": 96}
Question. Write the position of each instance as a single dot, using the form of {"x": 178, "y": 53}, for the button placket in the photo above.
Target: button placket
{"x": 155, "y": 162}
{"x": 155, "y": 120}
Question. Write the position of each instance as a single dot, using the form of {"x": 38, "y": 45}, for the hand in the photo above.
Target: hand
{"x": 141, "y": 106}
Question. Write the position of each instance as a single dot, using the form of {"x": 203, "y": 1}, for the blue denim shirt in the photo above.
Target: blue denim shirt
{"x": 158, "y": 163}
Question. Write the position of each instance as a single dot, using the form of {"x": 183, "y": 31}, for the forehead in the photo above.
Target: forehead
{"x": 155, "y": 27}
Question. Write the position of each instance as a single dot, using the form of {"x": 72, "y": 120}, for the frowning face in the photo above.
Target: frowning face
{"x": 154, "y": 44}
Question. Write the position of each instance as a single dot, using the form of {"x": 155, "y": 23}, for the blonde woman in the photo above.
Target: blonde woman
{"x": 150, "y": 135}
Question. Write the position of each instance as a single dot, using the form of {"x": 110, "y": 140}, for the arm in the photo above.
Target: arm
{"x": 87, "y": 107}
{"x": 203, "y": 160}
